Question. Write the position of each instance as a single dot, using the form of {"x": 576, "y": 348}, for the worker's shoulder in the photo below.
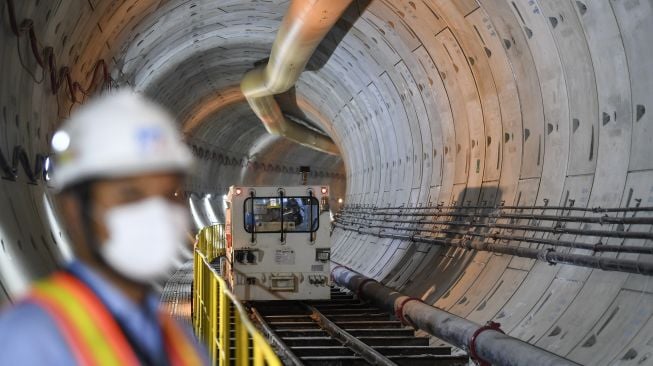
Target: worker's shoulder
{"x": 29, "y": 335}
{"x": 25, "y": 318}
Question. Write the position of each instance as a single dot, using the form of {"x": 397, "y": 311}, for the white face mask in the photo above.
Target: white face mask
{"x": 145, "y": 238}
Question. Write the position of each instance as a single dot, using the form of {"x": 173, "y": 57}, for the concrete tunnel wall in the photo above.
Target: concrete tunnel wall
{"x": 430, "y": 101}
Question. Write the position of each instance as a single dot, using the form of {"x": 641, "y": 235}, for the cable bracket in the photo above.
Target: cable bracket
{"x": 472, "y": 342}
{"x": 399, "y": 311}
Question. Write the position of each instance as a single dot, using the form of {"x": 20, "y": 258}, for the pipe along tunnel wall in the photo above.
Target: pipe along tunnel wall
{"x": 517, "y": 101}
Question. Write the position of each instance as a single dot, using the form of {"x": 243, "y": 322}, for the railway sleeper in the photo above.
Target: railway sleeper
{"x": 345, "y": 331}
{"x": 399, "y": 360}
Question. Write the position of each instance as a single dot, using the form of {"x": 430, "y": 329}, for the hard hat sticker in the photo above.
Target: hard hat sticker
{"x": 150, "y": 139}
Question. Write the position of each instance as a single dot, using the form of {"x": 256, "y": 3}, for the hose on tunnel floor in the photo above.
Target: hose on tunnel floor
{"x": 486, "y": 342}
{"x": 548, "y": 254}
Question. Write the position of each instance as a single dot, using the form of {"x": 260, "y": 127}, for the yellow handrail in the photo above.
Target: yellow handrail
{"x": 211, "y": 241}
{"x": 213, "y": 305}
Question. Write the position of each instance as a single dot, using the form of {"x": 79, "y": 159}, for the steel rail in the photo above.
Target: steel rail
{"x": 549, "y": 255}
{"x": 368, "y": 353}
{"x": 598, "y": 247}
{"x": 286, "y": 353}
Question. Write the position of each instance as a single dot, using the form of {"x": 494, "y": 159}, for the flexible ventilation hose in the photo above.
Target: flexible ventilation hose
{"x": 302, "y": 29}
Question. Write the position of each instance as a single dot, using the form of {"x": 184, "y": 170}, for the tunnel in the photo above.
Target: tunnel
{"x": 429, "y": 102}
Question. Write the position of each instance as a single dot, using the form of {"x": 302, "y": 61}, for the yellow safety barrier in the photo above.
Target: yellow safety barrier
{"x": 217, "y": 313}
{"x": 211, "y": 241}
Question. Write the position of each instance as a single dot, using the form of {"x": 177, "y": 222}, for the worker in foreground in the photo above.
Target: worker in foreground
{"x": 120, "y": 162}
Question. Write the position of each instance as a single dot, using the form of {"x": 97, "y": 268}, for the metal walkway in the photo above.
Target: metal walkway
{"x": 176, "y": 295}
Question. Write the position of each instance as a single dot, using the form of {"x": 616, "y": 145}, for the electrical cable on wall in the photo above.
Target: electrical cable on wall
{"x": 46, "y": 59}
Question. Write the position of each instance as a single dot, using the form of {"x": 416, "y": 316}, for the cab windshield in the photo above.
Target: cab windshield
{"x": 271, "y": 214}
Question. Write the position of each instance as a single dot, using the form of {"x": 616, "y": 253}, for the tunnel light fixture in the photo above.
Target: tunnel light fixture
{"x": 60, "y": 141}
{"x": 58, "y": 232}
{"x": 208, "y": 209}
{"x": 47, "y": 165}
{"x": 324, "y": 190}
{"x": 195, "y": 214}
{"x": 238, "y": 191}
{"x": 340, "y": 201}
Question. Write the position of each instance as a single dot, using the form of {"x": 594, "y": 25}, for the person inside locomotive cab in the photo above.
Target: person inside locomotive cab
{"x": 272, "y": 214}
{"x": 249, "y": 221}
{"x": 294, "y": 212}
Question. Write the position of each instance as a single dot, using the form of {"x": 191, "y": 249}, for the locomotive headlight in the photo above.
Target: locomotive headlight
{"x": 324, "y": 190}
{"x": 238, "y": 191}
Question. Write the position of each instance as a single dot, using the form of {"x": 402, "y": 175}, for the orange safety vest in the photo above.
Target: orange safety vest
{"x": 91, "y": 331}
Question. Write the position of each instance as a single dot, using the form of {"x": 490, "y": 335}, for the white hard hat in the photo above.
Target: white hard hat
{"x": 116, "y": 135}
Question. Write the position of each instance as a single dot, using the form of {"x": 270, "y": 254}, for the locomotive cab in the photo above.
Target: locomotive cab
{"x": 278, "y": 245}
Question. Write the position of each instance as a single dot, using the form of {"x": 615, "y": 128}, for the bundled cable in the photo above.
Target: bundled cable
{"x": 45, "y": 58}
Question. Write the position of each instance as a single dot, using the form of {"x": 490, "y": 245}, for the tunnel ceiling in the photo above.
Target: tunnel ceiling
{"x": 430, "y": 101}
{"x": 190, "y": 61}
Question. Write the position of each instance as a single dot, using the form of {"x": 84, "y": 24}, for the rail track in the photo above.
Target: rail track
{"x": 344, "y": 331}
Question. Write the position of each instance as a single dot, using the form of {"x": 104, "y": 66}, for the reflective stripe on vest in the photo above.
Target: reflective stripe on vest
{"x": 181, "y": 351}
{"x": 91, "y": 331}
